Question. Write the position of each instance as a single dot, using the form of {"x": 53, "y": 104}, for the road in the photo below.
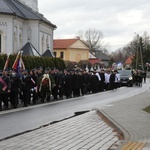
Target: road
{"x": 24, "y": 119}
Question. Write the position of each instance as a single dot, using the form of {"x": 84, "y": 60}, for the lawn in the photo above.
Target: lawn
{"x": 147, "y": 109}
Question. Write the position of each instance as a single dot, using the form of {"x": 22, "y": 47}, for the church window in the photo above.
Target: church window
{"x": 20, "y": 38}
{"x": 43, "y": 43}
{"x": 29, "y": 34}
{"x": 47, "y": 42}
{"x": 15, "y": 39}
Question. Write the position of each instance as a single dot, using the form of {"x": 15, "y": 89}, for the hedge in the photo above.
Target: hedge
{"x": 31, "y": 62}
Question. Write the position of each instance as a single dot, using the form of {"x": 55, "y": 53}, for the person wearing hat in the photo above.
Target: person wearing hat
{"x": 15, "y": 86}
{"x": 45, "y": 86}
{"x": 112, "y": 78}
{"x": 102, "y": 82}
{"x": 73, "y": 82}
{"x": 26, "y": 87}
{"x": 66, "y": 84}
{"x": 4, "y": 89}
{"x": 34, "y": 87}
{"x": 94, "y": 82}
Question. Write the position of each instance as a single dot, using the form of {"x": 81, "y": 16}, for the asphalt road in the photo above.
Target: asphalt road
{"x": 24, "y": 119}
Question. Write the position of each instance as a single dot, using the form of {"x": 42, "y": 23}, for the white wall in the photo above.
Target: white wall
{"x": 25, "y": 31}
{"x": 6, "y": 30}
{"x": 46, "y": 33}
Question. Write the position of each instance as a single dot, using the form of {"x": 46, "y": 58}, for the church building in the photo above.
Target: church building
{"x": 20, "y": 23}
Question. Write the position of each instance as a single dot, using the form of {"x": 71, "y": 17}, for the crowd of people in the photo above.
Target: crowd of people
{"x": 45, "y": 85}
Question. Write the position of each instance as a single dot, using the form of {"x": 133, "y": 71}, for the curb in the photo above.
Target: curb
{"x": 123, "y": 134}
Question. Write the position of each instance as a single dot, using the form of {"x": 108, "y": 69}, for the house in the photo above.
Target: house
{"x": 94, "y": 60}
{"x": 73, "y": 50}
{"x": 128, "y": 62}
{"x": 102, "y": 57}
{"x": 20, "y": 23}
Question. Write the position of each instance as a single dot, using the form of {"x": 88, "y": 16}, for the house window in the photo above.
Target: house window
{"x": 29, "y": 34}
{"x": 0, "y": 43}
{"x": 20, "y": 38}
{"x": 15, "y": 39}
{"x": 55, "y": 54}
{"x": 62, "y": 55}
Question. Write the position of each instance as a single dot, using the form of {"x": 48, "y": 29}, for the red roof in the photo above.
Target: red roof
{"x": 63, "y": 43}
{"x": 129, "y": 60}
{"x": 94, "y": 60}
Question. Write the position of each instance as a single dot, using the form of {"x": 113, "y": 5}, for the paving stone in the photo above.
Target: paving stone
{"x": 81, "y": 132}
{"x": 132, "y": 118}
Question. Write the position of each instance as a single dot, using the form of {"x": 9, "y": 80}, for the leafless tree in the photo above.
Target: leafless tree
{"x": 92, "y": 37}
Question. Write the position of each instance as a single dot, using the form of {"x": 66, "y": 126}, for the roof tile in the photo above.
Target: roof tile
{"x": 63, "y": 43}
{"x": 129, "y": 60}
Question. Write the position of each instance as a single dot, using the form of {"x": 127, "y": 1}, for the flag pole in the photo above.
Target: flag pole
{"x": 6, "y": 63}
{"x": 21, "y": 61}
{"x": 18, "y": 55}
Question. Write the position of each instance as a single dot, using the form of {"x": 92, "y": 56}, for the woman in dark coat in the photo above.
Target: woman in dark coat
{"x": 4, "y": 90}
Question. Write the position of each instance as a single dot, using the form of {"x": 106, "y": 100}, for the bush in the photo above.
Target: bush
{"x": 33, "y": 62}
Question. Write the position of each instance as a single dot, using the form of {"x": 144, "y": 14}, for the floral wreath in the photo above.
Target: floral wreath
{"x": 45, "y": 83}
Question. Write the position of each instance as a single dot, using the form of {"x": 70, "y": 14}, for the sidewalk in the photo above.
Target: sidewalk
{"x": 84, "y": 132}
{"x": 129, "y": 116}
{"x": 89, "y": 132}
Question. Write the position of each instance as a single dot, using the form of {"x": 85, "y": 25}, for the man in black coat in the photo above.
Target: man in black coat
{"x": 94, "y": 82}
{"x": 102, "y": 82}
{"x": 112, "y": 80}
{"x": 66, "y": 84}
{"x": 86, "y": 81}
{"x": 4, "y": 89}
{"x": 73, "y": 77}
{"x": 15, "y": 86}
{"x": 26, "y": 87}
{"x": 79, "y": 84}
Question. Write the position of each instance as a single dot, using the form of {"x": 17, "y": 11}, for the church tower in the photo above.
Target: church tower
{"x": 31, "y": 3}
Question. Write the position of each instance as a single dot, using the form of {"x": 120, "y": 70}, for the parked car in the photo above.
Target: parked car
{"x": 126, "y": 77}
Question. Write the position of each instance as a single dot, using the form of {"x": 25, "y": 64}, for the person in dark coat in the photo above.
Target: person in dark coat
{"x": 26, "y": 87}
{"x": 45, "y": 86}
{"x": 73, "y": 82}
{"x": 57, "y": 88}
{"x": 15, "y": 86}
{"x": 144, "y": 76}
{"x": 94, "y": 82}
{"x": 82, "y": 83}
{"x": 86, "y": 81}
{"x": 4, "y": 89}
{"x": 102, "y": 82}
{"x": 39, "y": 74}
{"x": 78, "y": 84}
{"x": 66, "y": 84}
{"x": 34, "y": 90}
{"x": 112, "y": 80}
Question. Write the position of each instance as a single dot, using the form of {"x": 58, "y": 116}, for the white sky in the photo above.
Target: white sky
{"x": 117, "y": 19}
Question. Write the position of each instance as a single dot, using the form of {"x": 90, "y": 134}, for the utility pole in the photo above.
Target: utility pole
{"x": 141, "y": 55}
{"x": 137, "y": 50}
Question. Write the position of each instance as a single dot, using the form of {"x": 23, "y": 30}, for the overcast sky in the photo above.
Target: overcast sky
{"x": 117, "y": 19}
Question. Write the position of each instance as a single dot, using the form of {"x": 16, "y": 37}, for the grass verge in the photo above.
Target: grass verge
{"x": 147, "y": 109}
